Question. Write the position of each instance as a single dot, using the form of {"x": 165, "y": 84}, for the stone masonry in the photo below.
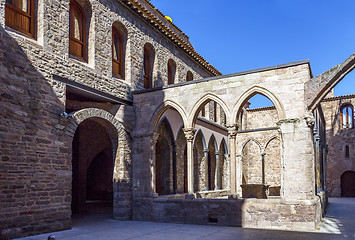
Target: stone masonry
{"x": 60, "y": 114}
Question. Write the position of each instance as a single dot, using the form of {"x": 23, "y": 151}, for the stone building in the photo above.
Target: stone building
{"x": 339, "y": 115}
{"x": 107, "y": 102}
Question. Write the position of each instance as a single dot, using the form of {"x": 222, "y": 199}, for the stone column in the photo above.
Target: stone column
{"x": 298, "y": 172}
{"x": 217, "y": 173}
{"x": 226, "y": 169}
{"x": 239, "y": 174}
{"x": 153, "y": 142}
{"x": 205, "y": 160}
{"x": 232, "y": 133}
{"x": 190, "y": 134}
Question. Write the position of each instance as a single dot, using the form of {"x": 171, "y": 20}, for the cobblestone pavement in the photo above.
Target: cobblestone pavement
{"x": 338, "y": 224}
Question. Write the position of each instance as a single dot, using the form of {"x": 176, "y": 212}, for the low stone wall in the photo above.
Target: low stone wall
{"x": 192, "y": 211}
{"x": 282, "y": 214}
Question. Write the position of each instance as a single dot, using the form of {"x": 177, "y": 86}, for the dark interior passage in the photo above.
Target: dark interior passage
{"x": 92, "y": 186}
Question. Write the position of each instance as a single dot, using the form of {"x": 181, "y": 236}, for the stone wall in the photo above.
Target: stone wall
{"x": 36, "y": 143}
{"x": 259, "y": 118}
{"x": 337, "y": 140}
{"x": 192, "y": 211}
{"x": 282, "y": 215}
{"x": 251, "y": 146}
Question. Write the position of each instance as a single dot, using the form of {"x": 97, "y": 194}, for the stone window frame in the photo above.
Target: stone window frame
{"x": 76, "y": 8}
{"x": 347, "y": 151}
{"x": 119, "y": 62}
{"x": 148, "y": 63}
{"x": 18, "y": 14}
{"x": 349, "y": 118}
{"x": 171, "y": 71}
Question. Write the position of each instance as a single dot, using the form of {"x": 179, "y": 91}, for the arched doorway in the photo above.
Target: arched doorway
{"x": 348, "y": 184}
{"x": 93, "y": 163}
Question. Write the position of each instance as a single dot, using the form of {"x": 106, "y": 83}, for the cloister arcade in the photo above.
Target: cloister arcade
{"x": 214, "y": 142}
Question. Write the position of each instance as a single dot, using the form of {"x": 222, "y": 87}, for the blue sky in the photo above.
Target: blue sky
{"x": 235, "y": 35}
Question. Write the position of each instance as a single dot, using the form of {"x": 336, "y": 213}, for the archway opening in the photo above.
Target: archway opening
{"x": 257, "y": 112}
{"x": 92, "y": 164}
{"x": 181, "y": 163}
{"x": 165, "y": 168}
{"x": 211, "y": 164}
{"x": 348, "y": 184}
{"x": 210, "y": 148}
{"x": 259, "y": 147}
{"x": 170, "y": 158}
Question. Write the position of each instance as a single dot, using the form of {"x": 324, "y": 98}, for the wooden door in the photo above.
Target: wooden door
{"x": 348, "y": 184}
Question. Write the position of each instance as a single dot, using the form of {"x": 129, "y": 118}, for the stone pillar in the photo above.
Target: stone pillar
{"x": 205, "y": 160}
{"x": 190, "y": 134}
{"x": 226, "y": 169}
{"x": 263, "y": 168}
{"x": 217, "y": 174}
{"x": 239, "y": 174}
{"x": 153, "y": 142}
{"x": 173, "y": 157}
{"x": 232, "y": 133}
{"x": 298, "y": 173}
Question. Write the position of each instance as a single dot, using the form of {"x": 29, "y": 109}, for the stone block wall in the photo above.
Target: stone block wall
{"x": 192, "y": 211}
{"x": 35, "y": 148}
{"x": 282, "y": 215}
{"x": 259, "y": 118}
{"x": 251, "y": 146}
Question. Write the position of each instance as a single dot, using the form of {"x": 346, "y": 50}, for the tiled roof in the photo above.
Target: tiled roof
{"x": 260, "y": 109}
{"x": 155, "y": 18}
{"x": 338, "y": 97}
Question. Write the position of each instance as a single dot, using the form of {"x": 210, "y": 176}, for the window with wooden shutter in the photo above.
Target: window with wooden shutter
{"x": 189, "y": 76}
{"x": 19, "y": 15}
{"x": 77, "y": 39}
{"x": 117, "y": 50}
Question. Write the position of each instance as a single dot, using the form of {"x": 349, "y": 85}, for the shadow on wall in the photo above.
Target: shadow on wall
{"x": 34, "y": 169}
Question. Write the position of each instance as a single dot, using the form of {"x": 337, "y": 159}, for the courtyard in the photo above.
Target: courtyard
{"x": 337, "y": 224}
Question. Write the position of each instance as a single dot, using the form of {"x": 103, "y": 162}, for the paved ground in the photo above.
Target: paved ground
{"x": 338, "y": 224}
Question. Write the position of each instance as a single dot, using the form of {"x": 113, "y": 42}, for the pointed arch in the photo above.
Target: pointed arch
{"x": 252, "y": 92}
{"x": 199, "y": 131}
{"x": 155, "y": 119}
{"x": 247, "y": 141}
{"x": 212, "y": 137}
{"x": 201, "y": 102}
{"x": 165, "y": 121}
{"x": 223, "y": 142}
{"x": 270, "y": 140}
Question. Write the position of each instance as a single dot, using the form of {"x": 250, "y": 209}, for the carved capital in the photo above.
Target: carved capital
{"x": 232, "y": 131}
{"x": 189, "y": 134}
{"x": 154, "y": 138}
{"x": 310, "y": 120}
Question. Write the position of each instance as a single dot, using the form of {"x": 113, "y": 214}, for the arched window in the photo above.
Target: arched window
{"x": 19, "y": 15}
{"x": 77, "y": 39}
{"x": 347, "y": 116}
{"x": 117, "y": 53}
{"x": 171, "y": 71}
{"x": 148, "y": 65}
{"x": 347, "y": 151}
{"x": 189, "y": 76}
